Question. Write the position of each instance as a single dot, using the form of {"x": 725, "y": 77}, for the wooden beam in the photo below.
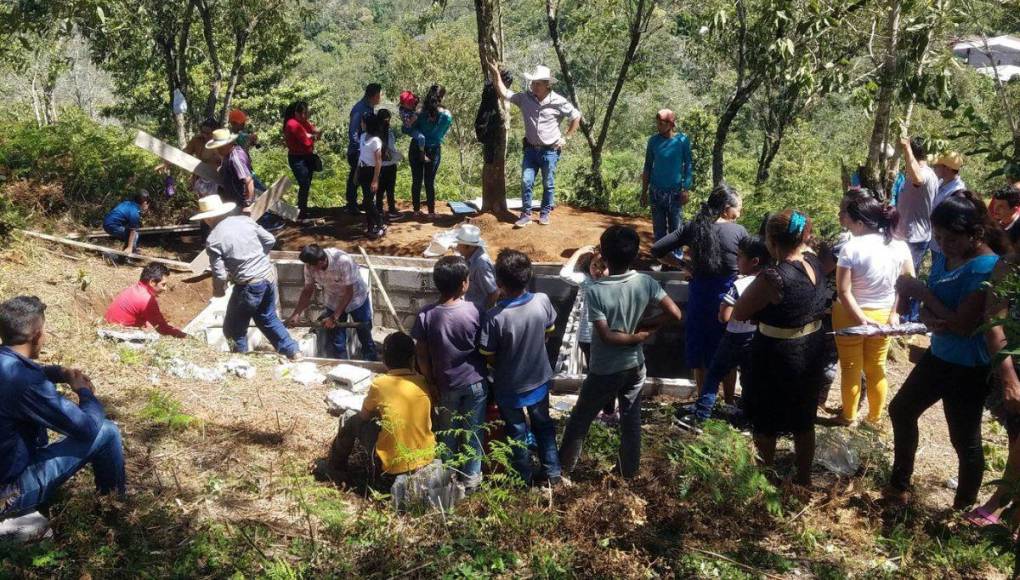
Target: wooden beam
{"x": 182, "y": 228}
{"x": 168, "y": 152}
{"x": 172, "y": 264}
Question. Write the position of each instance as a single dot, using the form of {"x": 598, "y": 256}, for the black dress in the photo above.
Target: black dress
{"x": 788, "y": 372}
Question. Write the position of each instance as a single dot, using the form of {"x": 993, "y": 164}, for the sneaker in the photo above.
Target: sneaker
{"x": 685, "y": 410}
{"x": 373, "y": 234}
{"x": 26, "y": 528}
{"x": 295, "y": 356}
{"x": 543, "y": 220}
{"x": 393, "y": 214}
{"x": 523, "y": 222}
{"x": 689, "y": 423}
{"x": 418, "y": 214}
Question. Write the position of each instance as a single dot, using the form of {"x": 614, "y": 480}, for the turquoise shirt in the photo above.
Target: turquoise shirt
{"x": 434, "y": 132}
{"x": 668, "y": 162}
{"x": 951, "y": 288}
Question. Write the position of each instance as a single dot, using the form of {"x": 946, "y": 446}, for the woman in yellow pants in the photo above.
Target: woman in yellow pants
{"x": 866, "y": 274}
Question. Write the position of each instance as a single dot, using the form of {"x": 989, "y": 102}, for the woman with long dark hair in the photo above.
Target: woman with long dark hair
{"x": 371, "y": 156}
{"x": 433, "y": 123}
{"x": 300, "y": 136}
{"x": 712, "y": 238}
{"x": 955, "y": 367}
{"x": 869, "y": 264}
{"x": 788, "y": 301}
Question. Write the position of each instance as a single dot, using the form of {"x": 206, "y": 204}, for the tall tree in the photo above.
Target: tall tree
{"x": 588, "y": 21}
{"x": 758, "y": 39}
{"x": 488, "y": 15}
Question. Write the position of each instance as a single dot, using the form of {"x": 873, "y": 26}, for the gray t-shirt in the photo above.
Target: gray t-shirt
{"x": 515, "y": 331}
{"x": 915, "y": 204}
{"x": 238, "y": 251}
{"x": 451, "y": 332}
{"x": 482, "y": 279}
{"x": 542, "y": 118}
{"x": 621, "y": 301}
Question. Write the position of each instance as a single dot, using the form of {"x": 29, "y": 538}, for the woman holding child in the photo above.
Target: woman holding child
{"x": 787, "y": 299}
{"x": 433, "y": 123}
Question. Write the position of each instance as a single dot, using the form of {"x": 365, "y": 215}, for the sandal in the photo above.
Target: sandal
{"x": 980, "y": 517}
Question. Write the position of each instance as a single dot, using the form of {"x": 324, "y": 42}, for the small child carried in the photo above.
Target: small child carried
{"x": 408, "y": 111}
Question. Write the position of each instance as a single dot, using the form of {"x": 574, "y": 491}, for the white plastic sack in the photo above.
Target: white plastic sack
{"x": 339, "y": 401}
{"x": 306, "y": 373}
{"x": 180, "y": 104}
{"x": 441, "y": 243}
{"x": 434, "y": 485}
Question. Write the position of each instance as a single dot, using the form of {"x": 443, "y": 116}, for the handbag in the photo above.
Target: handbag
{"x": 315, "y": 161}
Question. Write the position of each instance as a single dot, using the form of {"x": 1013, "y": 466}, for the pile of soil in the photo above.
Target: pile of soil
{"x": 570, "y": 229}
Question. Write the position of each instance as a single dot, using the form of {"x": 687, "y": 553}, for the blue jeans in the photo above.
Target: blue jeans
{"x": 667, "y": 213}
{"x": 917, "y": 252}
{"x": 596, "y": 390}
{"x": 424, "y": 173}
{"x": 734, "y": 351}
{"x": 463, "y": 409}
{"x": 121, "y": 233}
{"x": 544, "y": 429}
{"x": 54, "y": 464}
{"x": 337, "y": 345}
{"x": 301, "y": 165}
{"x": 256, "y": 301}
{"x": 535, "y": 160}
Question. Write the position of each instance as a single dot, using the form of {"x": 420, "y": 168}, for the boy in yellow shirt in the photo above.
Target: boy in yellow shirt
{"x": 402, "y": 438}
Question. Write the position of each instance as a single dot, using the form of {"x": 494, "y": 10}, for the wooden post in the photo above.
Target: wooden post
{"x": 382, "y": 289}
{"x": 172, "y": 264}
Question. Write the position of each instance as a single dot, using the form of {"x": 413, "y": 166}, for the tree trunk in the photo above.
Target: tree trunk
{"x": 205, "y": 11}
{"x": 490, "y": 52}
{"x": 235, "y": 69}
{"x": 873, "y": 178}
{"x": 722, "y": 131}
{"x": 36, "y": 108}
{"x": 769, "y": 148}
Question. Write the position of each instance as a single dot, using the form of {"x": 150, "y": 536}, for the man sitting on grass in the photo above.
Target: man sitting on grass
{"x": 402, "y": 437}
{"x": 31, "y": 468}
{"x": 136, "y": 305}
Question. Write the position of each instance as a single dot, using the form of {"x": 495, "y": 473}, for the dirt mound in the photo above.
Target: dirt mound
{"x": 409, "y": 236}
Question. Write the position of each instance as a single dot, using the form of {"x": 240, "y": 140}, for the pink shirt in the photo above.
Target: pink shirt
{"x": 136, "y": 306}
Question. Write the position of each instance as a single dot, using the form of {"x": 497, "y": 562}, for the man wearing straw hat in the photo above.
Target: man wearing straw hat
{"x": 238, "y": 251}
{"x": 235, "y": 169}
{"x": 541, "y": 109}
{"x": 947, "y": 168}
{"x": 482, "y": 290}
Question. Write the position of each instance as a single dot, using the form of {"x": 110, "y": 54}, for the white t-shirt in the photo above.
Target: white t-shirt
{"x": 874, "y": 268}
{"x": 739, "y": 286}
{"x": 369, "y": 147}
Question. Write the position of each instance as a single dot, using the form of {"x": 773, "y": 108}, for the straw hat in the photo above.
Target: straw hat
{"x": 541, "y": 73}
{"x": 220, "y": 137}
{"x": 470, "y": 235}
{"x": 212, "y": 206}
{"x": 952, "y": 160}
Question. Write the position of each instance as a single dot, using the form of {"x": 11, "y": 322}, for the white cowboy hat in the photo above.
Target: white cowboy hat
{"x": 541, "y": 73}
{"x": 212, "y": 206}
{"x": 470, "y": 235}
{"x": 220, "y": 137}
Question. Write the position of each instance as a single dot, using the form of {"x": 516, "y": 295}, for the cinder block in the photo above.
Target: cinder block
{"x": 290, "y": 272}
{"x": 406, "y": 278}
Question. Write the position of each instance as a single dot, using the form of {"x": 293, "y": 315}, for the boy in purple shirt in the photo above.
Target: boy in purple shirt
{"x": 445, "y": 335}
{"x": 513, "y": 337}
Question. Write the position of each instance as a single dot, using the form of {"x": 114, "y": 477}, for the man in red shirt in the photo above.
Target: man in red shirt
{"x": 136, "y": 305}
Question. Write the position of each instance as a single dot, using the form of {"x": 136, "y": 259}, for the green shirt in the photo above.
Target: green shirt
{"x": 621, "y": 301}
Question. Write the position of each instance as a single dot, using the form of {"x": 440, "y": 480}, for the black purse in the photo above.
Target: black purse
{"x": 315, "y": 162}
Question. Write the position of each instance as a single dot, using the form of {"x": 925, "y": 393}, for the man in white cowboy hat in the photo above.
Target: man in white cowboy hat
{"x": 541, "y": 109}
{"x": 238, "y": 251}
{"x": 235, "y": 169}
{"x": 482, "y": 290}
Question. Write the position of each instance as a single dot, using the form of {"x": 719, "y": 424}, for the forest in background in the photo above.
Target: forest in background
{"x": 799, "y": 85}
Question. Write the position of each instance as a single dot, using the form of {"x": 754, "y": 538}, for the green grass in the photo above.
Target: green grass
{"x": 161, "y": 408}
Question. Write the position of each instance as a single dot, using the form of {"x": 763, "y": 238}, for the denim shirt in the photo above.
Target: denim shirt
{"x": 29, "y": 405}
{"x": 358, "y": 112}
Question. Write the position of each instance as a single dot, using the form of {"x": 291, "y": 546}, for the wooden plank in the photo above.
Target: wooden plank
{"x": 168, "y": 152}
{"x": 172, "y": 264}
{"x": 181, "y": 228}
